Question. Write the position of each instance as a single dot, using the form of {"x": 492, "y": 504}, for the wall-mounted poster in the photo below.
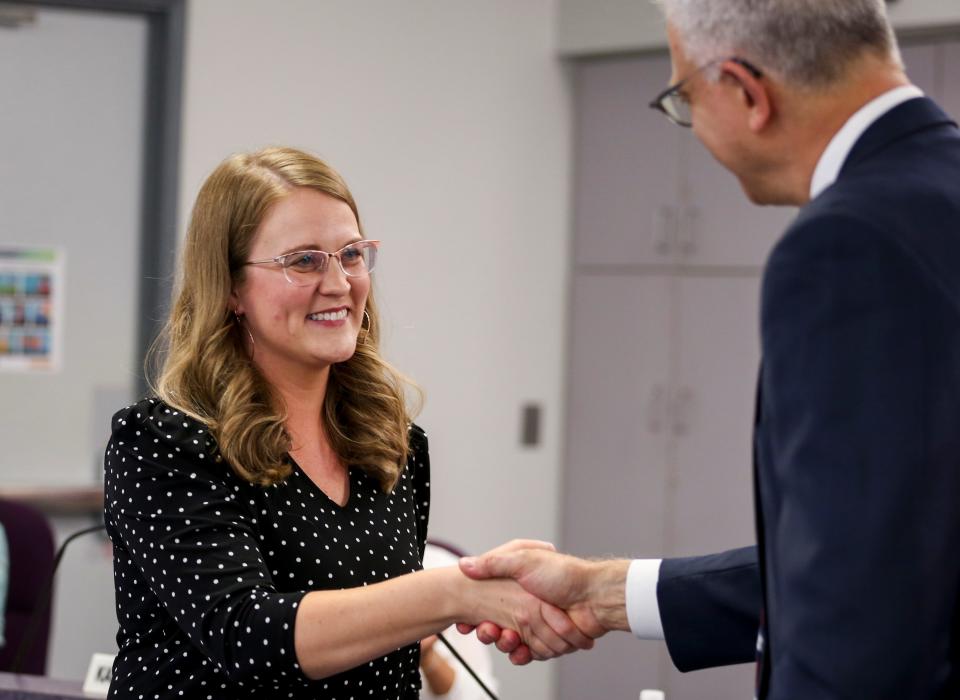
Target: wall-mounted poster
{"x": 31, "y": 293}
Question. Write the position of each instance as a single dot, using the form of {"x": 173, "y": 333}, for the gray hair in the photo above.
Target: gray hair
{"x": 807, "y": 42}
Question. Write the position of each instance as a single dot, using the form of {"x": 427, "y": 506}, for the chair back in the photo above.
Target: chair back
{"x": 451, "y": 548}
{"x": 30, "y": 541}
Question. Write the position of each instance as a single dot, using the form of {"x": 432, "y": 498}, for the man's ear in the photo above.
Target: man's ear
{"x": 754, "y": 92}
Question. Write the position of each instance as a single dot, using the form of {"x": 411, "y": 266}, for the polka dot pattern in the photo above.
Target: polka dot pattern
{"x": 209, "y": 569}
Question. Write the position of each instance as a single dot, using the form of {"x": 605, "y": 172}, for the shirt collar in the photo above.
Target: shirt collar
{"x": 830, "y": 163}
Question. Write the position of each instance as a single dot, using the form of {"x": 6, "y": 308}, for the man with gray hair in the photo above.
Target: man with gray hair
{"x": 854, "y": 583}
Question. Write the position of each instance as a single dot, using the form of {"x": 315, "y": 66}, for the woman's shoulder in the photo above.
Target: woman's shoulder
{"x": 417, "y": 437}
{"x": 419, "y": 453}
{"x": 151, "y": 425}
{"x": 158, "y": 416}
{"x": 418, "y": 458}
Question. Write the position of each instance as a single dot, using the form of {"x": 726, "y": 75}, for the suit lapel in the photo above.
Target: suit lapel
{"x": 763, "y": 637}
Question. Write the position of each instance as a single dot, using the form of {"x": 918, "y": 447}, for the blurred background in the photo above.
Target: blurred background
{"x": 571, "y": 279}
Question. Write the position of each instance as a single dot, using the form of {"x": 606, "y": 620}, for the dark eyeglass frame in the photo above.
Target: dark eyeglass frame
{"x": 323, "y": 255}
{"x": 673, "y": 91}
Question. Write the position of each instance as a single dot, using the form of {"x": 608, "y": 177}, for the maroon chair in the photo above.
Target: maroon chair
{"x": 30, "y": 540}
{"x": 452, "y": 548}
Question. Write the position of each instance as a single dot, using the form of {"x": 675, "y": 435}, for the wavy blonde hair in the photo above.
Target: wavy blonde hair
{"x": 204, "y": 369}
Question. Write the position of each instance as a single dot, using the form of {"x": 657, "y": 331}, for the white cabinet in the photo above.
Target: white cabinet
{"x": 716, "y": 224}
{"x": 709, "y": 476}
{"x": 658, "y": 447}
{"x": 614, "y": 487}
{"x": 662, "y": 357}
{"x": 657, "y": 197}
{"x": 950, "y": 89}
{"x": 627, "y": 160}
{"x": 921, "y": 62}
{"x": 618, "y": 424}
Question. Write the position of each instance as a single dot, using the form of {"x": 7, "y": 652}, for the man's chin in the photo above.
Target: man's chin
{"x": 763, "y": 195}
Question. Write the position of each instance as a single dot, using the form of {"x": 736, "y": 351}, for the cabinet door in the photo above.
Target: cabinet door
{"x": 710, "y": 492}
{"x": 717, "y": 224}
{"x": 922, "y": 64}
{"x": 71, "y": 135}
{"x": 713, "y": 412}
{"x": 614, "y": 480}
{"x": 950, "y": 90}
{"x": 625, "y": 183}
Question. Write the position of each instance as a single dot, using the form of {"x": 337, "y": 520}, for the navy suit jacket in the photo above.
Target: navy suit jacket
{"x": 857, "y": 442}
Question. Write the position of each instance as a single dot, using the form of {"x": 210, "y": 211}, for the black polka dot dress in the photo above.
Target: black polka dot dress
{"x": 209, "y": 569}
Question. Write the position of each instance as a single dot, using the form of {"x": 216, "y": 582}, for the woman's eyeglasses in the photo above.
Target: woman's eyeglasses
{"x": 305, "y": 266}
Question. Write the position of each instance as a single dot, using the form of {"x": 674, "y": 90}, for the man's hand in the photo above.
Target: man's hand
{"x": 592, "y": 593}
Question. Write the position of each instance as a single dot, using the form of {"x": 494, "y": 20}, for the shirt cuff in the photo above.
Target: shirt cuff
{"x": 643, "y": 609}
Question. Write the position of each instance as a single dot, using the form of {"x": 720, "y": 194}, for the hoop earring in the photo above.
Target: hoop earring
{"x": 364, "y": 331}
{"x": 253, "y": 343}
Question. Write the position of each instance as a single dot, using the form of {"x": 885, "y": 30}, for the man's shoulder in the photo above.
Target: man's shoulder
{"x": 909, "y": 163}
{"x": 907, "y": 206}
{"x": 900, "y": 226}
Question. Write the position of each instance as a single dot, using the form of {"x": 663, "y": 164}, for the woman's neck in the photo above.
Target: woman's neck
{"x": 302, "y": 392}
{"x": 302, "y": 395}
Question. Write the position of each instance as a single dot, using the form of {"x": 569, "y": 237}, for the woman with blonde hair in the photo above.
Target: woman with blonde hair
{"x": 268, "y": 505}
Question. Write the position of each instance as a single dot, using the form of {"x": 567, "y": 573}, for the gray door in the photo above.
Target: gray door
{"x": 71, "y": 135}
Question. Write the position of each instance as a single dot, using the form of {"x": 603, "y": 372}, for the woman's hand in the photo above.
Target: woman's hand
{"x": 567, "y": 582}
{"x": 528, "y": 627}
{"x": 546, "y": 630}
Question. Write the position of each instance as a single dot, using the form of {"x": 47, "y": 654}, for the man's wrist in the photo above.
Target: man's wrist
{"x": 607, "y": 595}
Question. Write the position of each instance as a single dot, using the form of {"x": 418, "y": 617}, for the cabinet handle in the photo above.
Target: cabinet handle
{"x": 656, "y": 409}
{"x": 682, "y": 411}
{"x": 688, "y": 235}
{"x": 664, "y": 230}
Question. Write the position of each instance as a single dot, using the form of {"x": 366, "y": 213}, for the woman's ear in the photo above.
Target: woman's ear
{"x": 236, "y": 307}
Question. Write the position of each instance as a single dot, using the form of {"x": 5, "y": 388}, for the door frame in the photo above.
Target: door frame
{"x": 166, "y": 25}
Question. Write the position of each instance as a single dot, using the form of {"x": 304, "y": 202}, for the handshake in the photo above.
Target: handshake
{"x": 535, "y": 604}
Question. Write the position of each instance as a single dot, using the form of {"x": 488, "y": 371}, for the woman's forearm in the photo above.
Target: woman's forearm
{"x": 339, "y": 629}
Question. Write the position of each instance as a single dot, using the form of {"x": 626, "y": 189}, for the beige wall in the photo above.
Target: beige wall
{"x": 607, "y": 26}
{"x": 450, "y": 120}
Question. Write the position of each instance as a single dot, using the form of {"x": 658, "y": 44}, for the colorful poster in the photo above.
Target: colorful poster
{"x": 31, "y": 294}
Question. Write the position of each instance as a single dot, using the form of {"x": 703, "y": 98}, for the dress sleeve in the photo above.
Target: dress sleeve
{"x": 419, "y": 465}
{"x": 188, "y": 526}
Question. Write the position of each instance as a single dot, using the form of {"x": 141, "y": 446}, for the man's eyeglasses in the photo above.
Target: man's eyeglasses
{"x": 675, "y": 104}
{"x": 305, "y": 266}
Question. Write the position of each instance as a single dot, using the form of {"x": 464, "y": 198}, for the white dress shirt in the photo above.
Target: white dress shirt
{"x": 643, "y": 610}
{"x": 836, "y": 152}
